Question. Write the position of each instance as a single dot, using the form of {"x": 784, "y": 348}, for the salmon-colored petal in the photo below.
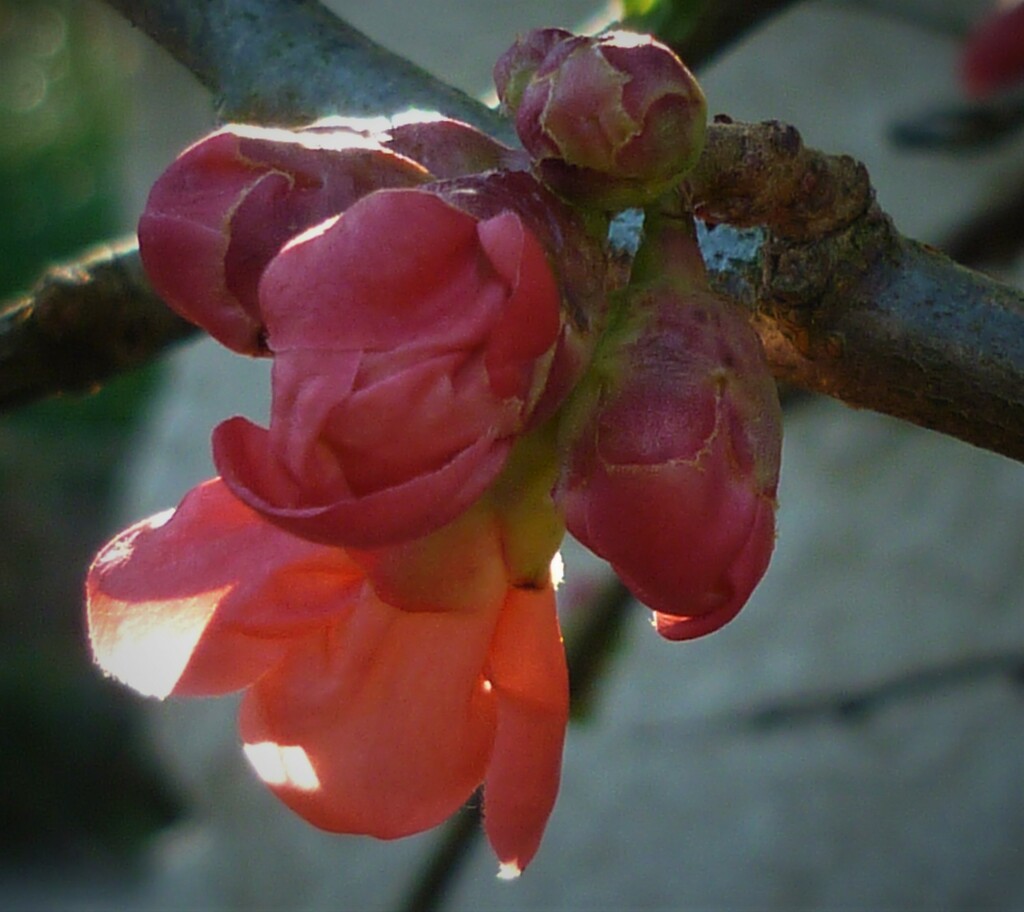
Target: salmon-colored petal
{"x": 530, "y": 682}
{"x": 381, "y": 725}
{"x": 460, "y": 567}
{"x": 204, "y": 599}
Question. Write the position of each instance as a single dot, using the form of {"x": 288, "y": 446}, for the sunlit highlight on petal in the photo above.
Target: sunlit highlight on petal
{"x": 509, "y": 870}
{"x": 152, "y": 656}
{"x": 282, "y": 765}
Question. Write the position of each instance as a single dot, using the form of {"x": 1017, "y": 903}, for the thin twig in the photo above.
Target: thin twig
{"x": 722, "y": 23}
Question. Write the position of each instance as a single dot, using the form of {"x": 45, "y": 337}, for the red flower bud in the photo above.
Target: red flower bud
{"x": 993, "y": 58}
{"x": 515, "y": 68}
{"x": 672, "y": 478}
{"x": 611, "y": 121}
{"x": 411, "y": 343}
{"x": 227, "y": 205}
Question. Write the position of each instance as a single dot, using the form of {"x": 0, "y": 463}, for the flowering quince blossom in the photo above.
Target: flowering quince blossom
{"x": 453, "y": 383}
{"x": 410, "y": 343}
{"x": 411, "y": 339}
{"x": 381, "y": 688}
{"x": 371, "y": 569}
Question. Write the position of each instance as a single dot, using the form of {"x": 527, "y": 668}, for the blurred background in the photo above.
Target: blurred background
{"x": 853, "y": 740}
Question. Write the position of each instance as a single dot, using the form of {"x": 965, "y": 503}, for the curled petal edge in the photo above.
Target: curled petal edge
{"x": 397, "y": 514}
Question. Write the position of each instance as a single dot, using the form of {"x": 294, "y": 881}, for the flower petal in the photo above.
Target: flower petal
{"x": 528, "y": 673}
{"x": 242, "y": 455}
{"x": 398, "y": 269}
{"x": 531, "y": 319}
{"x": 224, "y": 208}
{"x": 204, "y": 599}
{"x": 381, "y": 725}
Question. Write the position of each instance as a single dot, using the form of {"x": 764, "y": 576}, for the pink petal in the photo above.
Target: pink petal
{"x": 242, "y": 455}
{"x": 381, "y": 725}
{"x": 450, "y": 148}
{"x": 399, "y": 268}
{"x": 528, "y": 673}
{"x": 413, "y": 421}
{"x": 203, "y": 600}
{"x": 531, "y": 320}
{"x": 225, "y": 207}
{"x": 308, "y": 384}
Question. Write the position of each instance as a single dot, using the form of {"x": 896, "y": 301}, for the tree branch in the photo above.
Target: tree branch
{"x": 845, "y": 305}
{"x": 83, "y": 323}
{"x": 723, "y": 22}
{"x": 287, "y": 62}
{"x": 848, "y": 307}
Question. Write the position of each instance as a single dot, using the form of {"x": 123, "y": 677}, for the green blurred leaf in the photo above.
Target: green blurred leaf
{"x": 670, "y": 20}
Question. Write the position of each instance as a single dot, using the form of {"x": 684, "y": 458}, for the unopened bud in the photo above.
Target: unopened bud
{"x": 674, "y": 456}
{"x": 611, "y": 121}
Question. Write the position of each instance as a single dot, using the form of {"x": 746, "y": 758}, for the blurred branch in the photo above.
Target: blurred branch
{"x": 83, "y": 323}
{"x": 723, "y": 22}
{"x": 845, "y": 305}
{"x": 287, "y": 62}
{"x": 995, "y": 236}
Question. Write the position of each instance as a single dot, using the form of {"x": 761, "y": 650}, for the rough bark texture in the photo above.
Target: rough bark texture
{"x": 848, "y": 307}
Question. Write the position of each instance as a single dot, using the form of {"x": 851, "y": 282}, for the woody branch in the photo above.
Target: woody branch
{"x": 845, "y": 305}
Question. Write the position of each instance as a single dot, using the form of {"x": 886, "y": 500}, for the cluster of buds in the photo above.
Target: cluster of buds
{"x": 461, "y": 369}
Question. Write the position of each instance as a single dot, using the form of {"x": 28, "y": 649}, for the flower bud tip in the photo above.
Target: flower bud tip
{"x": 509, "y": 870}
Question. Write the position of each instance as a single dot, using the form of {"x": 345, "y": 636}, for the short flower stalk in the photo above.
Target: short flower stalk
{"x": 461, "y": 371}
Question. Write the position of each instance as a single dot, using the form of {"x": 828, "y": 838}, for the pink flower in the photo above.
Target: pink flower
{"x": 381, "y": 688}
{"x": 673, "y": 469}
{"x": 411, "y": 341}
